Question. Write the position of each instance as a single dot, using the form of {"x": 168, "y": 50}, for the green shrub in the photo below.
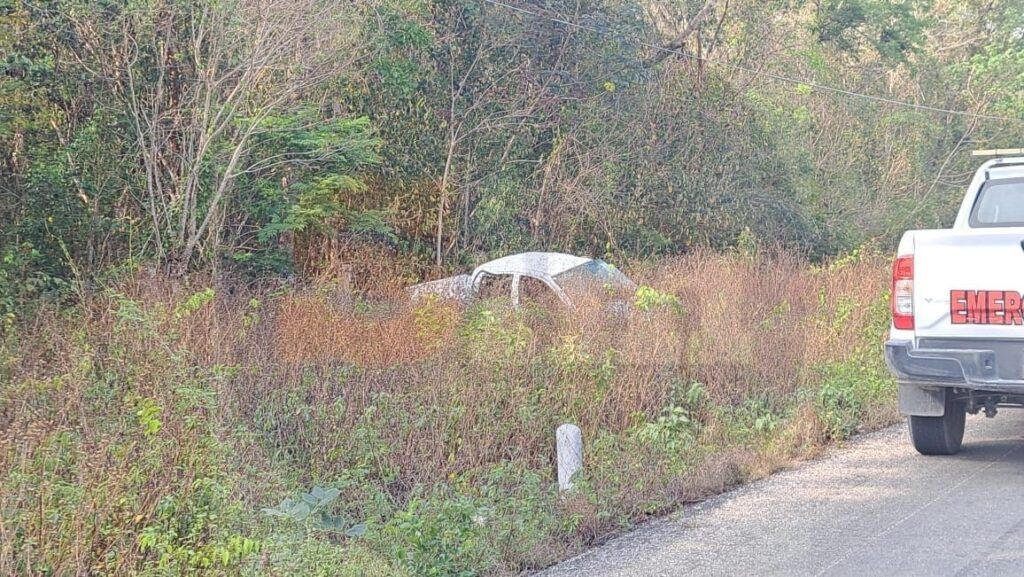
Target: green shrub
{"x": 439, "y": 535}
{"x": 848, "y": 391}
{"x": 189, "y": 535}
{"x": 288, "y": 556}
{"x": 648, "y": 298}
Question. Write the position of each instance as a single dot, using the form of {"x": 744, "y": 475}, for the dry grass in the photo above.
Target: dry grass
{"x": 418, "y": 407}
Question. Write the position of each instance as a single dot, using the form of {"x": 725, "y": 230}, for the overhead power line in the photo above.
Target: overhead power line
{"x": 770, "y": 75}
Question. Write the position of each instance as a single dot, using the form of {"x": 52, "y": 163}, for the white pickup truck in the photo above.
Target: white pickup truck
{"x": 956, "y": 344}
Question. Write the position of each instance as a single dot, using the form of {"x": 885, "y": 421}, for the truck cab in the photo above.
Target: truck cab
{"x": 956, "y": 342}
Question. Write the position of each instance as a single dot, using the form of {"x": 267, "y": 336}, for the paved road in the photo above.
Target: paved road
{"x": 875, "y": 507}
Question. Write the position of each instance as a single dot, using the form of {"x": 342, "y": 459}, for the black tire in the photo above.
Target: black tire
{"x": 940, "y": 435}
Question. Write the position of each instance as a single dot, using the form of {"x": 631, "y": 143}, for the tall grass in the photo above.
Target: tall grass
{"x": 145, "y": 431}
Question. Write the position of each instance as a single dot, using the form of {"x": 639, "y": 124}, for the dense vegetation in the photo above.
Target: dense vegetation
{"x": 161, "y": 431}
{"x": 207, "y": 209}
{"x": 264, "y": 137}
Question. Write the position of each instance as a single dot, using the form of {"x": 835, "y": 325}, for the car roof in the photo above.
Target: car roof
{"x": 539, "y": 264}
{"x": 1006, "y": 167}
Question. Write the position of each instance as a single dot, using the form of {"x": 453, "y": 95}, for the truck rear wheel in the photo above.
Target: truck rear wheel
{"x": 940, "y": 435}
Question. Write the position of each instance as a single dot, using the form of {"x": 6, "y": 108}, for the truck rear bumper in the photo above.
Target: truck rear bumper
{"x": 996, "y": 366}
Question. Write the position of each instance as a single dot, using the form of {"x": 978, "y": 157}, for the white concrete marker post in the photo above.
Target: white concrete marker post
{"x": 569, "y": 444}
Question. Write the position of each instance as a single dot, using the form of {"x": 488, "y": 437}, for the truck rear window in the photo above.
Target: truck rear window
{"x": 1000, "y": 203}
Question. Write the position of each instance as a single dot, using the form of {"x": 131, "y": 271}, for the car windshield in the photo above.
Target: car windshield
{"x": 1000, "y": 203}
{"x": 593, "y": 277}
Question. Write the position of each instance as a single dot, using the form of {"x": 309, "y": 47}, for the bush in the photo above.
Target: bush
{"x": 150, "y": 428}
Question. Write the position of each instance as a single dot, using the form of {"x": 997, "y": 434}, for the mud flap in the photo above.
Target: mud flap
{"x": 922, "y": 401}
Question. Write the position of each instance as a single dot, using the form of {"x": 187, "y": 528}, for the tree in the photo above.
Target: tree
{"x": 198, "y": 82}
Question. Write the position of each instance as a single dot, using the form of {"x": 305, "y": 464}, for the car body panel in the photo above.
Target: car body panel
{"x": 545, "y": 267}
{"x": 968, "y": 332}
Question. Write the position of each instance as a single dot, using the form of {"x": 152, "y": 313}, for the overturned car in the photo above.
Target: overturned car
{"x": 533, "y": 277}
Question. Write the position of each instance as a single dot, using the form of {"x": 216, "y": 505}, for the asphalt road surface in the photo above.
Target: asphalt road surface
{"x": 873, "y": 507}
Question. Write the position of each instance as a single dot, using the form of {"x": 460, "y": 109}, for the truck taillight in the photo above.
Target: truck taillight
{"x": 903, "y": 293}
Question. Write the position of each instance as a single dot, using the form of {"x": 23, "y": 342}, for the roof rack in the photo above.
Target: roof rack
{"x": 999, "y": 152}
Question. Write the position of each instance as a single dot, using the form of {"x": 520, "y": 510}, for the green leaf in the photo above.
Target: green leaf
{"x": 328, "y": 496}
{"x": 331, "y": 523}
{"x": 300, "y": 512}
{"x": 356, "y": 530}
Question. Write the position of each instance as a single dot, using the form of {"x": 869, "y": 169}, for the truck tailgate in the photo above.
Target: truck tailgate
{"x": 969, "y": 283}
